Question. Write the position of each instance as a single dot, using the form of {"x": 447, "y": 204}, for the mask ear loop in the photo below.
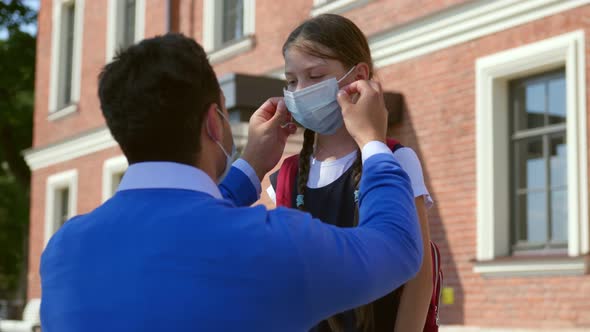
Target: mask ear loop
{"x": 288, "y": 122}
{"x": 211, "y": 136}
{"x": 347, "y": 73}
{"x": 354, "y": 96}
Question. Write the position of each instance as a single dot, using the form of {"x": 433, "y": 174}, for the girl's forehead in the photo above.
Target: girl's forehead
{"x": 295, "y": 56}
{"x": 297, "y": 60}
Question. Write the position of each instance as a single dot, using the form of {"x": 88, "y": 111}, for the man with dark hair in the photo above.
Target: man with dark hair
{"x": 172, "y": 251}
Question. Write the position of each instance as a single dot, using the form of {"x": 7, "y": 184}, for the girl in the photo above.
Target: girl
{"x": 322, "y": 55}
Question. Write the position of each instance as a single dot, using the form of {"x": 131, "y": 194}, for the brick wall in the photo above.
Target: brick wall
{"x": 274, "y": 21}
{"x": 89, "y": 197}
{"x": 439, "y": 90}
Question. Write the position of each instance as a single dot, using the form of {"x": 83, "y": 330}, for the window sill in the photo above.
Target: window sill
{"x": 62, "y": 113}
{"x": 336, "y": 7}
{"x": 533, "y": 266}
{"x": 227, "y": 52}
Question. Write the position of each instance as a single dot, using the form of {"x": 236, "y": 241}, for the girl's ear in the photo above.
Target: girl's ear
{"x": 362, "y": 71}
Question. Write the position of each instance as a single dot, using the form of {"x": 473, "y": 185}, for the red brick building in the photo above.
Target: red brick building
{"x": 495, "y": 104}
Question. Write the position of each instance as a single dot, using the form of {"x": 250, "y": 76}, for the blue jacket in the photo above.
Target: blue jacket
{"x": 176, "y": 259}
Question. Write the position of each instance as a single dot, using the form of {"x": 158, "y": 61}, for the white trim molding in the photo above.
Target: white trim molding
{"x": 62, "y": 113}
{"x": 461, "y": 328}
{"x": 114, "y": 25}
{"x": 140, "y": 10}
{"x": 532, "y": 267}
{"x": 276, "y": 73}
{"x": 239, "y": 47}
{"x": 94, "y": 142}
{"x": 336, "y": 6}
{"x": 458, "y": 25}
{"x": 212, "y": 29}
{"x": 492, "y": 142}
{"x": 70, "y": 149}
{"x": 110, "y": 168}
{"x": 69, "y": 180}
{"x": 57, "y": 60}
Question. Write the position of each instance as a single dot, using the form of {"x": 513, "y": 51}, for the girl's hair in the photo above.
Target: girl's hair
{"x": 332, "y": 37}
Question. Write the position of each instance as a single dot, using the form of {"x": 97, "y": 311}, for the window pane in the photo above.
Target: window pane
{"x": 62, "y": 204}
{"x": 533, "y": 207}
{"x": 128, "y": 24}
{"x": 539, "y": 160}
{"x": 559, "y": 216}
{"x": 534, "y": 106}
{"x": 558, "y": 161}
{"x": 116, "y": 181}
{"x": 557, "y": 105}
{"x": 233, "y": 20}
{"x": 69, "y": 17}
{"x": 531, "y": 165}
{"x": 521, "y": 217}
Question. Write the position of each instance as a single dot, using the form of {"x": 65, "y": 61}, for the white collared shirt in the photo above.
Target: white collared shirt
{"x": 170, "y": 175}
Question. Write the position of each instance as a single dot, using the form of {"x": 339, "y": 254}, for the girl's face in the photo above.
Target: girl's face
{"x": 303, "y": 70}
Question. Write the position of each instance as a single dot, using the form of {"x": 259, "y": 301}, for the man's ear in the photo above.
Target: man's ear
{"x": 212, "y": 123}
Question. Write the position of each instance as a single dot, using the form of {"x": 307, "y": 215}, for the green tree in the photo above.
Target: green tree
{"x": 17, "y": 69}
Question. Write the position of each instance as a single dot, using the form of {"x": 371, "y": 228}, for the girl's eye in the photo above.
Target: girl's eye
{"x": 291, "y": 83}
{"x": 317, "y": 77}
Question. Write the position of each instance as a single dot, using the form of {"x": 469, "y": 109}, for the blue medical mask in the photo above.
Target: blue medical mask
{"x": 316, "y": 107}
{"x": 229, "y": 158}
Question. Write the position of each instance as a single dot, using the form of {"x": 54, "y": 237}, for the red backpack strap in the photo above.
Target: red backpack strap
{"x": 393, "y": 144}
{"x": 432, "y": 318}
{"x": 286, "y": 181}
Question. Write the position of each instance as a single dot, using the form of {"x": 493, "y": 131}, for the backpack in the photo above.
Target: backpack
{"x": 286, "y": 182}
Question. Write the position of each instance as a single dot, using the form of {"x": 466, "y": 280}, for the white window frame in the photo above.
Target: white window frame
{"x": 493, "y": 168}
{"x": 335, "y": 7}
{"x": 56, "y": 47}
{"x": 212, "y": 27}
{"x": 114, "y": 10}
{"x": 56, "y": 182}
{"x": 110, "y": 168}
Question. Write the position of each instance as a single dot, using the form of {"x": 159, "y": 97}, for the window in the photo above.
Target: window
{"x": 66, "y": 57}
{"x": 60, "y": 200}
{"x": 128, "y": 23}
{"x": 532, "y": 194}
{"x": 232, "y": 20}
{"x": 228, "y": 28}
{"x": 539, "y": 159}
{"x": 125, "y": 25}
{"x": 112, "y": 172}
{"x": 62, "y": 210}
{"x": 335, "y": 6}
{"x": 67, "y": 53}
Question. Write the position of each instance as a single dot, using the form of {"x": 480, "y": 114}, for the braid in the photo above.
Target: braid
{"x": 303, "y": 169}
{"x": 357, "y": 171}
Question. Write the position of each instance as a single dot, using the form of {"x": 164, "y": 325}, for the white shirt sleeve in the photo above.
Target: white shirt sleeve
{"x": 374, "y": 147}
{"x": 272, "y": 194}
{"x": 410, "y": 163}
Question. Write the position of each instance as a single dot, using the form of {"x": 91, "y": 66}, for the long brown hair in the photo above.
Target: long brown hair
{"x": 332, "y": 37}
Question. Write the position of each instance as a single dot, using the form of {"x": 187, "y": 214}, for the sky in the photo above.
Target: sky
{"x": 30, "y": 28}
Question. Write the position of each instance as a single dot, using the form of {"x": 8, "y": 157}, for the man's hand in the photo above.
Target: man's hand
{"x": 269, "y": 128}
{"x": 365, "y": 119}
